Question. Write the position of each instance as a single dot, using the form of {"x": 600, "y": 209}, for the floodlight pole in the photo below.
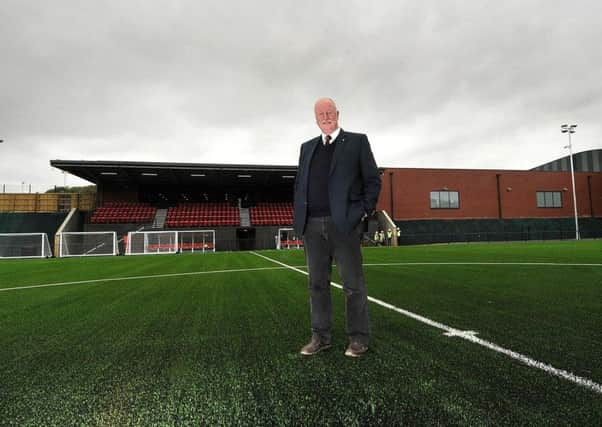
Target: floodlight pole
{"x": 569, "y": 130}
{"x": 3, "y": 185}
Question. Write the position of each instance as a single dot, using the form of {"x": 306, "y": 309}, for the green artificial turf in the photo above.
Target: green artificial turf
{"x": 222, "y": 348}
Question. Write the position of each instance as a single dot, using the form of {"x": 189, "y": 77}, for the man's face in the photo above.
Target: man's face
{"x": 327, "y": 116}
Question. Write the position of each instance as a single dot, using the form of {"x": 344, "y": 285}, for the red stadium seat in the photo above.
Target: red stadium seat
{"x": 272, "y": 214}
{"x": 123, "y": 212}
{"x": 202, "y": 215}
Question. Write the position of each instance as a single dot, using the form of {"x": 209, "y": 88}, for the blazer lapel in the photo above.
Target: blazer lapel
{"x": 311, "y": 149}
{"x": 338, "y": 150}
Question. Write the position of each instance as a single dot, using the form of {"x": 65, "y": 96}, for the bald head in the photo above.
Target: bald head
{"x": 325, "y": 102}
{"x": 327, "y": 115}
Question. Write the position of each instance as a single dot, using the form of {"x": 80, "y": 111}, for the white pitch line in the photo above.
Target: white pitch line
{"x": 117, "y": 279}
{"x": 561, "y": 373}
{"x": 546, "y": 264}
{"x": 557, "y": 264}
{"x": 276, "y": 268}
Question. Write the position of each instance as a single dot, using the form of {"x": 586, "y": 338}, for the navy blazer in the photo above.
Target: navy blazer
{"x": 353, "y": 184}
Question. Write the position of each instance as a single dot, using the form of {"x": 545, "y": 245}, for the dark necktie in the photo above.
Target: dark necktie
{"x": 327, "y": 139}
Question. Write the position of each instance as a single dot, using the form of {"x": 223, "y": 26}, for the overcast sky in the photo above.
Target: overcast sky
{"x": 451, "y": 84}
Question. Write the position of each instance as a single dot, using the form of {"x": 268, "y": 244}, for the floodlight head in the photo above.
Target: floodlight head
{"x": 564, "y": 130}
{"x": 564, "y": 126}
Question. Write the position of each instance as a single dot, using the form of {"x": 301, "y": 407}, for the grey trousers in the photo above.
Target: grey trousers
{"x": 323, "y": 243}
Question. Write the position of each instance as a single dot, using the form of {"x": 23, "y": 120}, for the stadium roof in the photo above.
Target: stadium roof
{"x": 585, "y": 161}
{"x": 150, "y": 173}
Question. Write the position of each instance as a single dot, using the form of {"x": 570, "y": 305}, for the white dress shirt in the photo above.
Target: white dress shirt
{"x": 333, "y": 136}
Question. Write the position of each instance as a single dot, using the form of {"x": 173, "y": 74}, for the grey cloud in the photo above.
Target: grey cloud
{"x": 446, "y": 84}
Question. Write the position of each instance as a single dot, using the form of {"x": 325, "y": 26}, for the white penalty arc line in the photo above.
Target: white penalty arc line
{"x": 154, "y": 276}
{"x": 470, "y": 336}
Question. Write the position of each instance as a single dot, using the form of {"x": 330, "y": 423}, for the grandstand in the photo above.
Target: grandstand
{"x": 250, "y": 206}
{"x": 245, "y": 205}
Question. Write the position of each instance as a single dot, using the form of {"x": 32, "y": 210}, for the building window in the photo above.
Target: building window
{"x": 549, "y": 199}
{"x": 445, "y": 200}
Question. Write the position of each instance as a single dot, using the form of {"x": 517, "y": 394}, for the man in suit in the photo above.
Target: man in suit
{"x": 336, "y": 189}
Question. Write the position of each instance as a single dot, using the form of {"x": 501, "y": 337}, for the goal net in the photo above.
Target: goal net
{"x": 288, "y": 239}
{"x": 196, "y": 241}
{"x": 152, "y": 242}
{"x": 24, "y": 245}
{"x": 91, "y": 243}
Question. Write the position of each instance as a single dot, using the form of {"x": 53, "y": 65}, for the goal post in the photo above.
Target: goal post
{"x": 87, "y": 243}
{"x": 24, "y": 245}
{"x": 196, "y": 241}
{"x": 170, "y": 242}
{"x": 288, "y": 239}
{"x": 152, "y": 242}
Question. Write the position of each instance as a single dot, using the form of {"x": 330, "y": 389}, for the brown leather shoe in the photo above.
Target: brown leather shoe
{"x": 314, "y": 346}
{"x": 356, "y": 349}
